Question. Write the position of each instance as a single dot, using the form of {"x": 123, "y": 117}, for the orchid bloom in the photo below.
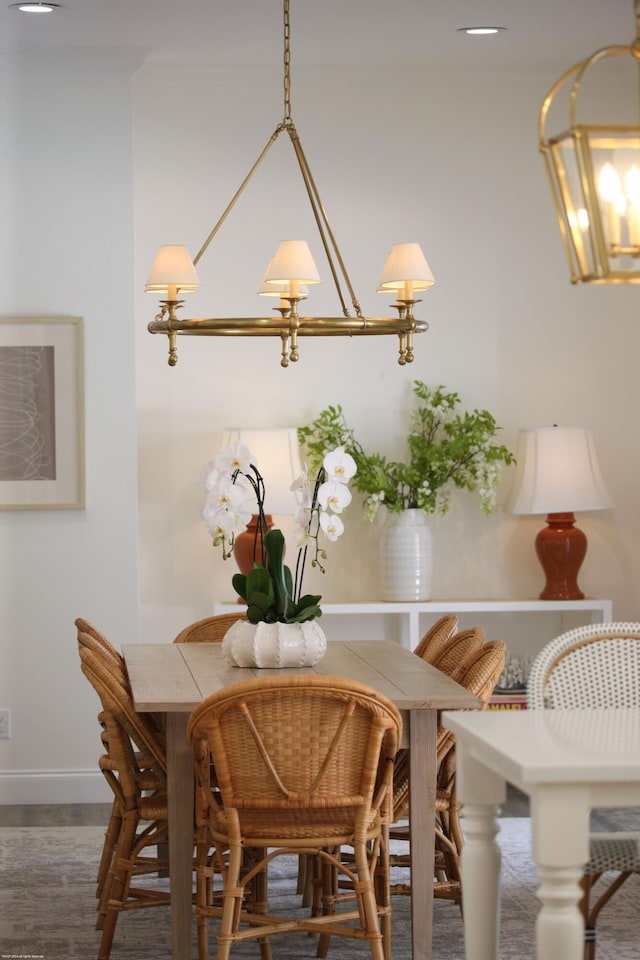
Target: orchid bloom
{"x": 332, "y": 525}
{"x": 235, "y": 456}
{"x": 228, "y": 494}
{"x": 334, "y": 496}
{"x": 221, "y": 524}
{"x": 340, "y": 465}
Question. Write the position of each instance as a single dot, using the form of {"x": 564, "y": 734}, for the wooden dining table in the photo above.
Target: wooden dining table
{"x": 173, "y": 679}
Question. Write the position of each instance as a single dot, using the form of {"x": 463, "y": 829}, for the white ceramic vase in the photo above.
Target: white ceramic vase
{"x": 274, "y": 644}
{"x": 406, "y": 561}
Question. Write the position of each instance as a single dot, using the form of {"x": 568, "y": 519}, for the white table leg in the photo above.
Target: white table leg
{"x": 559, "y": 926}
{"x": 480, "y": 792}
{"x": 422, "y": 790}
{"x": 180, "y": 791}
{"x": 560, "y": 832}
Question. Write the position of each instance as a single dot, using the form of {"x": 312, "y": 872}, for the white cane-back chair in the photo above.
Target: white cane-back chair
{"x": 593, "y": 666}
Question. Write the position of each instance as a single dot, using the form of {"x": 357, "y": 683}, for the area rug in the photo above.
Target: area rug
{"x": 47, "y": 907}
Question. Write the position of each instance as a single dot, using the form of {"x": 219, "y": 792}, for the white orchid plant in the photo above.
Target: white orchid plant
{"x": 270, "y": 590}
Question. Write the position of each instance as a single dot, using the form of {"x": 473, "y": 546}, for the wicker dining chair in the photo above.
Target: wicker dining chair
{"x": 139, "y": 820}
{"x": 437, "y": 634}
{"x": 113, "y": 661}
{"x": 210, "y": 629}
{"x": 453, "y": 655}
{"x": 478, "y": 673}
{"x": 593, "y": 666}
{"x": 303, "y": 764}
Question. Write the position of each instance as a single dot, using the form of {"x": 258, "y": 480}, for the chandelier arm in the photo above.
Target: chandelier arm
{"x": 324, "y": 227}
{"x": 272, "y": 139}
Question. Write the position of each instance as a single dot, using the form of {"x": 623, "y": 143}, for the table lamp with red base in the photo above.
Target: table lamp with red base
{"x": 557, "y": 473}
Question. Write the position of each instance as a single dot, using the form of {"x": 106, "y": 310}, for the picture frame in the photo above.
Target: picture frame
{"x": 41, "y": 414}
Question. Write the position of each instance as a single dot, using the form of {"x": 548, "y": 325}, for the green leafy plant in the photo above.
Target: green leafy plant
{"x": 268, "y": 590}
{"x": 446, "y": 450}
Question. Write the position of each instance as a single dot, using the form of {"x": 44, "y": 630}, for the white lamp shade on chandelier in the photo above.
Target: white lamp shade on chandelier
{"x": 292, "y": 261}
{"x": 557, "y": 472}
{"x": 273, "y": 288}
{"x": 406, "y": 270}
{"x": 172, "y": 271}
{"x": 277, "y": 457}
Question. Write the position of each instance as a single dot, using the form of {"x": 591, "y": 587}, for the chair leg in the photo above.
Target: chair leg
{"x": 204, "y": 894}
{"x": 110, "y": 843}
{"x": 368, "y": 900}
{"x": 329, "y": 889}
{"x": 231, "y": 903}
{"x": 591, "y": 914}
{"x": 118, "y": 884}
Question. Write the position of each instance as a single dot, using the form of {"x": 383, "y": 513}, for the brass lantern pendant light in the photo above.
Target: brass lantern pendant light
{"x": 594, "y": 173}
{"x": 289, "y": 274}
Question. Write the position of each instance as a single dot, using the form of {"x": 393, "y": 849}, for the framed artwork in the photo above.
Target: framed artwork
{"x": 41, "y": 414}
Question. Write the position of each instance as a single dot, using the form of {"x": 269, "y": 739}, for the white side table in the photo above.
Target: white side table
{"x": 599, "y": 611}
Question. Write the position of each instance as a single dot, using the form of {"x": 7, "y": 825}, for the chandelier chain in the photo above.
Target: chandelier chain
{"x": 287, "y": 64}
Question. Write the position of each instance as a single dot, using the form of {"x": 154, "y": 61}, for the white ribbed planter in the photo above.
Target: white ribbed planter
{"x": 274, "y": 644}
{"x": 406, "y": 563}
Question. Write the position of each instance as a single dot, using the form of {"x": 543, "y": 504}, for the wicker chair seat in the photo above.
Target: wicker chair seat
{"x": 331, "y": 826}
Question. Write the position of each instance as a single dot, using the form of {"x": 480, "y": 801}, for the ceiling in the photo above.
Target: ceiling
{"x": 539, "y": 32}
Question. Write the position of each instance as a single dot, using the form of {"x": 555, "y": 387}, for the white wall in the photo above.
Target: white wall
{"x": 447, "y": 159}
{"x": 66, "y": 245}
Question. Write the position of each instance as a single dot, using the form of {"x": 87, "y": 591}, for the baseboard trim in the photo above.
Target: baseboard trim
{"x": 53, "y": 786}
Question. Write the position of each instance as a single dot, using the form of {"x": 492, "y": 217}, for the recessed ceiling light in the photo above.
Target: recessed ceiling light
{"x": 480, "y": 31}
{"x": 35, "y": 7}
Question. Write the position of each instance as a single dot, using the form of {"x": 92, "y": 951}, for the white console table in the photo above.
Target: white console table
{"x": 599, "y": 611}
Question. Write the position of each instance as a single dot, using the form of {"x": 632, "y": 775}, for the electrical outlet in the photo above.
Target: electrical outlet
{"x": 5, "y": 724}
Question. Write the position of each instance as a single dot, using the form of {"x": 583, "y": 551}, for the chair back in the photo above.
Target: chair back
{"x": 437, "y": 634}
{"x": 457, "y": 651}
{"x": 106, "y": 648}
{"x": 479, "y": 675}
{"x": 294, "y": 754}
{"x": 119, "y": 715}
{"x": 210, "y": 629}
{"x": 481, "y": 671}
{"x": 593, "y": 666}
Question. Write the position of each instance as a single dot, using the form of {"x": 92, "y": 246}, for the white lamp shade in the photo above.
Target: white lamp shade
{"x": 292, "y": 261}
{"x": 405, "y": 264}
{"x": 273, "y": 289}
{"x": 278, "y": 460}
{"x": 557, "y": 472}
{"x": 172, "y": 267}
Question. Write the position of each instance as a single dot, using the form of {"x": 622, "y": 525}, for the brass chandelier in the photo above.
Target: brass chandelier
{"x": 594, "y": 173}
{"x": 290, "y": 272}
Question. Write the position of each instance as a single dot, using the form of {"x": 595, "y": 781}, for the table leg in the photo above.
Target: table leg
{"x": 480, "y": 792}
{"x": 180, "y": 790}
{"x": 560, "y": 833}
{"x": 422, "y": 793}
